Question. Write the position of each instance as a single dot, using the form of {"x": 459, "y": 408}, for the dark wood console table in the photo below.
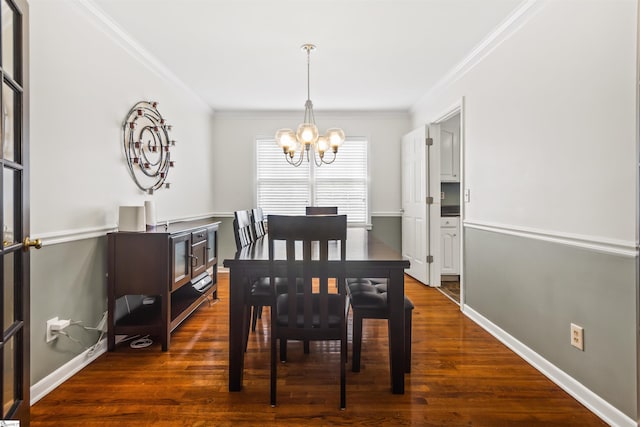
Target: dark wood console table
{"x": 366, "y": 257}
{"x": 175, "y": 266}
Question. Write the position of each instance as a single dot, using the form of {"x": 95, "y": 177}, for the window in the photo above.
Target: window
{"x": 286, "y": 190}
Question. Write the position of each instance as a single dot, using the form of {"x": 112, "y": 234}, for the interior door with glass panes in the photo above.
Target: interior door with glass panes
{"x": 14, "y": 213}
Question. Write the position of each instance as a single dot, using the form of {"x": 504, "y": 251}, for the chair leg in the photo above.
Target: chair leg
{"x": 306, "y": 347}
{"x": 357, "y": 342}
{"x": 283, "y": 350}
{"x": 256, "y": 309}
{"x": 343, "y": 364}
{"x": 274, "y": 371}
{"x": 247, "y": 320}
{"x": 407, "y": 340}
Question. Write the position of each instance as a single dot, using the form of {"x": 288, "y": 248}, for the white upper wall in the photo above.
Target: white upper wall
{"x": 549, "y": 122}
{"x": 234, "y": 159}
{"x": 84, "y": 80}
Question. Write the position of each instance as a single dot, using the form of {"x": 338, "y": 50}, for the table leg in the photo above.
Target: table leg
{"x": 395, "y": 295}
{"x": 237, "y": 327}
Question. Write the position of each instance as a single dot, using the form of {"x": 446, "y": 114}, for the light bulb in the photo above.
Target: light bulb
{"x": 322, "y": 144}
{"x": 307, "y": 133}
{"x": 336, "y": 137}
{"x": 286, "y": 139}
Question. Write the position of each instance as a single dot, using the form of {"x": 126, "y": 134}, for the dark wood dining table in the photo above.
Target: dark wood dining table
{"x": 365, "y": 257}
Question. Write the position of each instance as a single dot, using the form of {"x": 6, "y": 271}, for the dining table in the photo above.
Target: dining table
{"x": 366, "y": 257}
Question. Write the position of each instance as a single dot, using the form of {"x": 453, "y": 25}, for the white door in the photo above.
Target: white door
{"x": 415, "y": 228}
{"x": 421, "y": 204}
{"x": 433, "y": 209}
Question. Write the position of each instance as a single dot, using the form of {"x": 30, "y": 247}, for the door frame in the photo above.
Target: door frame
{"x": 454, "y": 109}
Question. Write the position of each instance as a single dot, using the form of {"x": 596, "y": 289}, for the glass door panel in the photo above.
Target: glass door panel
{"x": 9, "y": 207}
{"x": 8, "y": 38}
{"x": 9, "y": 291}
{"x": 9, "y": 107}
{"x": 9, "y": 371}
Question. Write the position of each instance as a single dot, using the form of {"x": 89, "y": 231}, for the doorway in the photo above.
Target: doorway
{"x": 432, "y": 203}
{"x": 451, "y": 201}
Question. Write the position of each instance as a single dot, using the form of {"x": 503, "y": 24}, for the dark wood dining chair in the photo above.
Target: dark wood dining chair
{"x": 315, "y": 313}
{"x": 259, "y": 224}
{"x": 368, "y": 300}
{"x": 321, "y": 210}
{"x": 243, "y": 229}
{"x": 260, "y": 290}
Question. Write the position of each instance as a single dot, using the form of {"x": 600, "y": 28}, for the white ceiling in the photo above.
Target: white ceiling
{"x": 371, "y": 54}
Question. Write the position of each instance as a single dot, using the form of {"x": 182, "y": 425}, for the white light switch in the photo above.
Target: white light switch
{"x": 467, "y": 195}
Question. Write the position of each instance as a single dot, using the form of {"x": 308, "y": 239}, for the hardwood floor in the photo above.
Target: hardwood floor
{"x": 461, "y": 376}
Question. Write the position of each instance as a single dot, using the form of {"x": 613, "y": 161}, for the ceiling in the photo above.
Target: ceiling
{"x": 371, "y": 54}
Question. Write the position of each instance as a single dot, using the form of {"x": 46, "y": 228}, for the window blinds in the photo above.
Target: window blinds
{"x": 286, "y": 190}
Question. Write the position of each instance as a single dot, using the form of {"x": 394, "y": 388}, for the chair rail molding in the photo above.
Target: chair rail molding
{"x": 76, "y": 234}
{"x": 594, "y": 243}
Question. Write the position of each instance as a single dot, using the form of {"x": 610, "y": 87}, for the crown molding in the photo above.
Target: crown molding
{"x": 279, "y": 114}
{"x": 135, "y": 49}
{"x": 516, "y": 20}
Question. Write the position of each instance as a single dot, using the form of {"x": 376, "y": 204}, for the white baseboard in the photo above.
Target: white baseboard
{"x": 603, "y": 409}
{"x": 66, "y": 371}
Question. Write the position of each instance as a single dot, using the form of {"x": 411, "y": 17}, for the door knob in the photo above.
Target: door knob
{"x": 28, "y": 243}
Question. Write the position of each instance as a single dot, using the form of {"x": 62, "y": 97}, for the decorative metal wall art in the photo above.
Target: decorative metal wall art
{"x": 147, "y": 146}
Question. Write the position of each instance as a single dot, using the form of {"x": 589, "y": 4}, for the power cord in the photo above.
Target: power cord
{"x": 141, "y": 342}
{"x": 66, "y": 334}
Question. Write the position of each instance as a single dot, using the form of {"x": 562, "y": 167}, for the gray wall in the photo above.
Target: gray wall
{"x": 534, "y": 289}
{"x": 69, "y": 281}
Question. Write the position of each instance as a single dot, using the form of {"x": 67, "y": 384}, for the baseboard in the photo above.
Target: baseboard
{"x": 603, "y": 409}
{"x": 66, "y": 371}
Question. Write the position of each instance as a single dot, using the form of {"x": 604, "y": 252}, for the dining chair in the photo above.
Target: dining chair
{"x": 260, "y": 290}
{"x": 315, "y": 313}
{"x": 321, "y": 210}
{"x": 259, "y": 294}
{"x": 368, "y": 300}
{"x": 243, "y": 229}
{"x": 258, "y": 222}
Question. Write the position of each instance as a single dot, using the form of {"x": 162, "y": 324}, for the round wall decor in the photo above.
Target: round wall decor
{"x": 147, "y": 146}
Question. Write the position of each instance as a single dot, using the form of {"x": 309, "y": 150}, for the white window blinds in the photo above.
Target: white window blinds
{"x": 287, "y": 190}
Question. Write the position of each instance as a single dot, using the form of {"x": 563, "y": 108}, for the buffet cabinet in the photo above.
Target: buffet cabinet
{"x": 171, "y": 270}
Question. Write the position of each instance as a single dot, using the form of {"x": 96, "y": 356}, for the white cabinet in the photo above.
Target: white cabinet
{"x": 449, "y": 156}
{"x": 450, "y": 245}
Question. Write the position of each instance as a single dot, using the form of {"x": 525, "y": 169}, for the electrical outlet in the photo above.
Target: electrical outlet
{"x": 54, "y": 325}
{"x": 50, "y": 334}
{"x": 577, "y": 336}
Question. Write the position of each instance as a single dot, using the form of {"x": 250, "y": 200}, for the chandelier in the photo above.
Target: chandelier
{"x": 306, "y": 141}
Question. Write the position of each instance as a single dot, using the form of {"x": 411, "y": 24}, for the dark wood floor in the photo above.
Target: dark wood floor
{"x": 461, "y": 376}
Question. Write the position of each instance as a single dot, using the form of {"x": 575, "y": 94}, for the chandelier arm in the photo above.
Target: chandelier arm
{"x": 292, "y": 162}
{"x": 328, "y": 162}
{"x": 316, "y": 156}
